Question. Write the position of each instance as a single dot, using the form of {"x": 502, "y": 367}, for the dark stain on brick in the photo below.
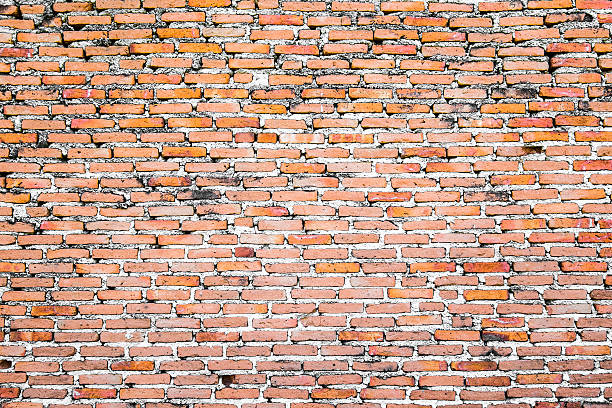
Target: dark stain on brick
{"x": 205, "y": 195}
{"x": 490, "y": 336}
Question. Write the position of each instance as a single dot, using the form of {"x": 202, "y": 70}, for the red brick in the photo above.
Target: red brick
{"x": 285, "y": 205}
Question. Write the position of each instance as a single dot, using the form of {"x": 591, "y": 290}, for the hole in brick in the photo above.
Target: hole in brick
{"x": 227, "y": 380}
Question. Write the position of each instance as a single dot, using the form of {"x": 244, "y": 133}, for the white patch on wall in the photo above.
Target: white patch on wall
{"x": 259, "y": 79}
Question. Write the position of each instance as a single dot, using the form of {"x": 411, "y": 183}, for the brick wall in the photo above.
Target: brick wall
{"x": 305, "y": 204}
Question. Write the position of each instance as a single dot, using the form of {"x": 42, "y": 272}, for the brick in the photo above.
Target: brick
{"x": 379, "y": 190}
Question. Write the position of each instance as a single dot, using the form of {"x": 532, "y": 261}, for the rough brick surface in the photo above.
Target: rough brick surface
{"x": 305, "y": 204}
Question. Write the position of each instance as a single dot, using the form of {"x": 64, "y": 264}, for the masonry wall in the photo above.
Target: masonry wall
{"x": 319, "y": 204}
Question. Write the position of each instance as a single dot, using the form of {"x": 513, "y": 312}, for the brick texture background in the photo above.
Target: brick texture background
{"x": 318, "y": 204}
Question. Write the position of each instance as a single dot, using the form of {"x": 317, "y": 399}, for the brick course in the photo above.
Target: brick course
{"x": 305, "y": 204}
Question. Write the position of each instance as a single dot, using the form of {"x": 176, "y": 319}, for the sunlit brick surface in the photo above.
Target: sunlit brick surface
{"x": 318, "y": 204}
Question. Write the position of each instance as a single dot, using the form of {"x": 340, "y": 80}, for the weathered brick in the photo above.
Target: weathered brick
{"x": 335, "y": 184}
